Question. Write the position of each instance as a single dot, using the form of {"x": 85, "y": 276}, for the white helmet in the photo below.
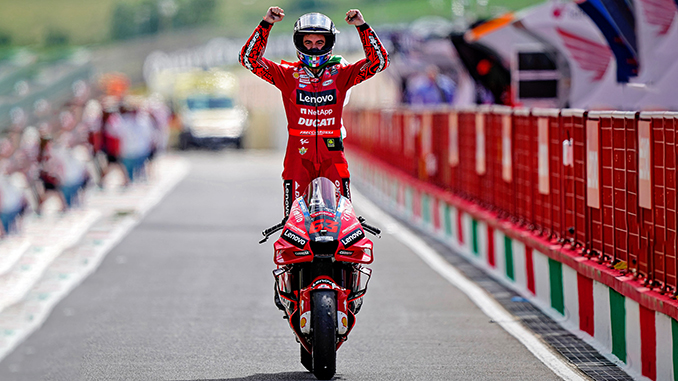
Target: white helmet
{"x": 314, "y": 23}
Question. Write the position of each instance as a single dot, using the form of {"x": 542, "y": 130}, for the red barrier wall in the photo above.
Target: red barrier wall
{"x": 603, "y": 184}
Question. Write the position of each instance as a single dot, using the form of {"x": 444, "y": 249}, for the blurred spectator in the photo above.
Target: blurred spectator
{"x": 60, "y": 170}
{"x": 12, "y": 201}
{"x": 430, "y": 88}
{"x": 137, "y": 137}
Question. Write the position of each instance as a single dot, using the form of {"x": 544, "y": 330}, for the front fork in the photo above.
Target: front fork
{"x": 323, "y": 283}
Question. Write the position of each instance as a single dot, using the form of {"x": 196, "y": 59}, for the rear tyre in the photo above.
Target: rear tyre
{"x": 324, "y": 320}
{"x": 306, "y": 358}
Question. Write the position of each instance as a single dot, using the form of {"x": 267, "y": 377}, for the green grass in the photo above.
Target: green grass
{"x": 28, "y": 22}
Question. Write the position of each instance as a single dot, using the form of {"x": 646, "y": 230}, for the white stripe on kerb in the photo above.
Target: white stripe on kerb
{"x": 441, "y": 213}
{"x": 519, "y": 265}
{"x": 476, "y": 294}
{"x": 664, "y": 346}
{"x": 455, "y": 225}
{"x": 500, "y": 253}
{"x": 482, "y": 242}
{"x": 571, "y": 294}
{"x": 602, "y": 327}
{"x": 542, "y": 281}
{"x": 632, "y": 334}
{"x": 466, "y": 232}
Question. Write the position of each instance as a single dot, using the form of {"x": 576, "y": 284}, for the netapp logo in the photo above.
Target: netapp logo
{"x": 294, "y": 239}
{"x": 321, "y": 98}
{"x": 352, "y": 237}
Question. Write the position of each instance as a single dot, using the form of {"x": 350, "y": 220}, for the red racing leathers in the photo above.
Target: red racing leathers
{"x": 314, "y": 105}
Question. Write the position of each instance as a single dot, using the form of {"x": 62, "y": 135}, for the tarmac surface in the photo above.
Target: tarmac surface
{"x": 183, "y": 291}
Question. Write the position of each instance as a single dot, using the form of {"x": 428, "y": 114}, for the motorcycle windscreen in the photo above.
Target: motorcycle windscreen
{"x": 321, "y": 196}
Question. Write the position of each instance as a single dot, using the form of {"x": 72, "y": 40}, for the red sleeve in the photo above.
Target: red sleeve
{"x": 252, "y": 57}
{"x": 376, "y": 58}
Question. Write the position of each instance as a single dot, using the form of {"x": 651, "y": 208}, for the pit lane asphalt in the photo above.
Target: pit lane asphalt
{"x": 187, "y": 295}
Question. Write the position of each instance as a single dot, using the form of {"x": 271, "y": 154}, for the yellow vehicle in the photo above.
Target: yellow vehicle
{"x": 206, "y": 103}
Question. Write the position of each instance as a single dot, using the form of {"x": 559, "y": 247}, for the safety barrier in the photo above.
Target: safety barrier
{"x": 601, "y": 184}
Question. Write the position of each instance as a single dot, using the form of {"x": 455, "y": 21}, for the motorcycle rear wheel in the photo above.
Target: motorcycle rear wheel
{"x": 324, "y": 321}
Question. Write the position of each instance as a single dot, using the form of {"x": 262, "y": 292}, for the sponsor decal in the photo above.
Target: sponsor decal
{"x": 353, "y": 237}
{"x": 297, "y": 194}
{"x": 287, "y": 185}
{"x": 347, "y": 253}
{"x": 321, "y": 98}
{"x": 334, "y": 70}
{"x": 321, "y": 112}
{"x": 301, "y": 86}
{"x": 295, "y": 75}
{"x": 294, "y": 238}
{"x": 347, "y": 215}
{"x": 322, "y": 282}
{"x": 313, "y": 133}
{"x": 309, "y": 122}
{"x": 303, "y": 150}
{"x": 347, "y": 188}
{"x": 296, "y": 229}
{"x": 328, "y": 82}
{"x": 302, "y": 253}
{"x": 297, "y": 215}
{"x": 302, "y": 205}
{"x": 322, "y": 213}
{"x": 303, "y": 141}
{"x": 353, "y": 226}
{"x": 334, "y": 144}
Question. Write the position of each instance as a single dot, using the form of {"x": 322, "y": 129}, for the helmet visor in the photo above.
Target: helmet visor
{"x": 314, "y": 22}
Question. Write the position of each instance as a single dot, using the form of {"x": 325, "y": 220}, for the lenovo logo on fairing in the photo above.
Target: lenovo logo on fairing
{"x": 294, "y": 239}
{"x": 352, "y": 237}
{"x": 321, "y": 98}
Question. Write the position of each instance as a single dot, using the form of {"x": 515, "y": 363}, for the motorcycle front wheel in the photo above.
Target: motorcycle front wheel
{"x": 324, "y": 321}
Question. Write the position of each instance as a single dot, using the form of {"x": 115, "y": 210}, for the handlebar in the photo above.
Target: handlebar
{"x": 275, "y": 228}
{"x": 269, "y": 232}
{"x": 369, "y": 228}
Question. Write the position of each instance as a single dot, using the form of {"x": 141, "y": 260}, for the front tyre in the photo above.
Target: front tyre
{"x": 324, "y": 320}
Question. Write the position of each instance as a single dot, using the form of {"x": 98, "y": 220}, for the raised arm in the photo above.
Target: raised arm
{"x": 252, "y": 53}
{"x": 376, "y": 56}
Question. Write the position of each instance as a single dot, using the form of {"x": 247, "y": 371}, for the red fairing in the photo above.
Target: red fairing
{"x": 293, "y": 246}
{"x": 353, "y": 246}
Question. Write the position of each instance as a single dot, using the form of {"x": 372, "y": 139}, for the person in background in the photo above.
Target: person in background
{"x": 13, "y": 203}
{"x": 430, "y": 88}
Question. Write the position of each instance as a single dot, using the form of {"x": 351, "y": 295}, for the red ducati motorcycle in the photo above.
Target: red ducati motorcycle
{"x": 320, "y": 280}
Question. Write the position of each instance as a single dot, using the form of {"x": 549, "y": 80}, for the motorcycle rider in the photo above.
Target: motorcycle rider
{"x": 314, "y": 91}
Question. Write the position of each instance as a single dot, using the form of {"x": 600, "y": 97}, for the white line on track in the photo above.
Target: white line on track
{"x": 173, "y": 170}
{"x": 478, "y": 296}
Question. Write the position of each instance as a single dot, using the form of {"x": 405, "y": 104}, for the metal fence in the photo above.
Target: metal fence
{"x": 602, "y": 184}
